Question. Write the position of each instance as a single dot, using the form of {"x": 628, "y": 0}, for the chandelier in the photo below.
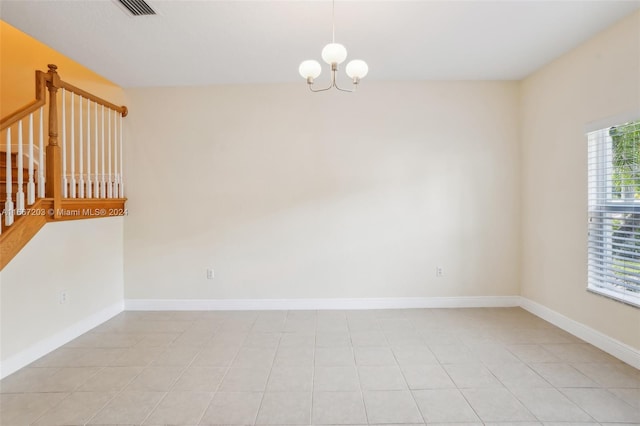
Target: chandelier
{"x": 334, "y": 54}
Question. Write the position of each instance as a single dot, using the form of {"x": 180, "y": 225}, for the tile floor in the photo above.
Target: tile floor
{"x": 423, "y": 366}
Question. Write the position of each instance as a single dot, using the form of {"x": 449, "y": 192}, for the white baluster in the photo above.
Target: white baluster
{"x": 103, "y": 189}
{"x": 65, "y": 185}
{"x": 41, "y": 191}
{"x": 121, "y": 164}
{"x": 8, "y": 204}
{"x": 96, "y": 184}
{"x": 20, "y": 167}
{"x": 31, "y": 186}
{"x": 73, "y": 148}
{"x": 80, "y": 154}
{"x": 115, "y": 154}
{"x": 109, "y": 186}
{"x": 88, "y": 148}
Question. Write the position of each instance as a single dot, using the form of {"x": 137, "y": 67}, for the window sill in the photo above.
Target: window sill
{"x": 628, "y": 299}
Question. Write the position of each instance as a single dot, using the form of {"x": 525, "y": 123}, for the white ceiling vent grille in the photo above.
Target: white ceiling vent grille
{"x": 137, "y": 7}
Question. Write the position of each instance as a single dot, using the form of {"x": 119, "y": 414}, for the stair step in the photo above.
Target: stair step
{"x": 3, "y": 158}
{"x": 14, "y": 173}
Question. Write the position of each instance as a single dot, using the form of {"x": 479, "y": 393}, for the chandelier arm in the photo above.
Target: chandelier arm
{"x": 319, "y": 90}
{"x": 334, "y": 83}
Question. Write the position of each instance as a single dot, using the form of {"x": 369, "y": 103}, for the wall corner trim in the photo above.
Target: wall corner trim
{"x": 600, "y": 340}
{"x": 49, "y": 344}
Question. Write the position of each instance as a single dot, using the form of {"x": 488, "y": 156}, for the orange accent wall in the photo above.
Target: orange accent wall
{"x": 21, "y": 55}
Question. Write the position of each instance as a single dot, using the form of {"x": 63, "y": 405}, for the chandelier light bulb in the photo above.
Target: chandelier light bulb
{"x": 310, "y": 69}
{"x": 357, "y": 69}
{"x": 334, "y": 53}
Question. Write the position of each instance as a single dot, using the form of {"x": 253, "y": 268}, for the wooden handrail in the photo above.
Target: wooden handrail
{"x": 71, "y": 88}
{"x": 43, "y": 80}
{"x": 41, "y": 99}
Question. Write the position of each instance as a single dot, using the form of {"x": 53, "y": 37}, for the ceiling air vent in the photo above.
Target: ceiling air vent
{"x": 137, "y": 7}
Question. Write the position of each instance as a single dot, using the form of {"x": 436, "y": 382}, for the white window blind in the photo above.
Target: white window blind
{"x": 614, "y": 212}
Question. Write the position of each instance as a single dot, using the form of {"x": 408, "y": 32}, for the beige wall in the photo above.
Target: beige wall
{"x": 289, "y": 194}
{"x": 82, "y": 257}
{"x": 599, "y": 79}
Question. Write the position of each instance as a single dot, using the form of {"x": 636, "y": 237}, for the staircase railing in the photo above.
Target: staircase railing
{"x": 87, "y": 163}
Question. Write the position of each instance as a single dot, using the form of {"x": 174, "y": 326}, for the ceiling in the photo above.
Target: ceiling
{"x": 222, "y": 42}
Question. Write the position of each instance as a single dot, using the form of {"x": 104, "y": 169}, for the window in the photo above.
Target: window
{"x": 614, "y": 212}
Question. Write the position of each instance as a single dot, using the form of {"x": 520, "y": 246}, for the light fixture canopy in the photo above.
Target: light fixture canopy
{"x": 333, "y": 54}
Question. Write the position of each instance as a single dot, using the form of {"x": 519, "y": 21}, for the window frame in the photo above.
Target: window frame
{"x": 602, "y": 206}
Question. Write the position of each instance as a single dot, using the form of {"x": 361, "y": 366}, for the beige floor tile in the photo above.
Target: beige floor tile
{"x": 110, "y": 379}
{"x": 138, "y": 356}
{"x": 295, "y": 356}
{"x": 497, "y": 405}
{"x": 578, "y": 352}
{"x": 26, "y": 380}
{"x": 67, "y": 379}
{"x": 532, "y": 353}
{"x": 630, "y": 396}
{"x": 326, "y": 339}
{"x": 176, "y": 356}
{"x": 381, "y": 378}
{"x": 404, "y": 338}
{"x": 563, "y": 375}
{"x": 334, "y": 357}
{"x": 414, "y": 355}
{"x": 519, "y": 375}
{"x": 254, "y": 357}
{"x": 200, "y": 379}
{"x": 178, "y": 408}
{"x": 374, "y": 356}
{"x": 99, "y": 357}
{"x": 301, "y": 325}
{"x": 285, "y": 408}
{"x": 550, "y": 405}
{"x": 76, "y": 409}
{"x": 431, "y": 376}
{"x": 471, "y": 376}
{"x": 193, "y": 338}
{"x": 616, "y": 375}
{"x": 263, "y": 340}
{"x": 290, "y": 379}
{"x": 493, "y": 354}
{"x": 61, "y": 357}
{"x": 24, "y": 408}
{"x": 127, "y": 408}
{"x": 336, "y": 379}
{"x": 321, "y": 360}
{"x": 155, "y": 379}
{"x": 368, "y": 338}
{"x": 444, "y": 405}
{"x": 338, "y": 408}
{"x": 232, "y": 408}
{"x": 298, "y": 340}
{"x": 245, "y": 380}
{"x": 603, "y": 405}
{"x": 453, "y": 354}
{"x": 215, "y": 356}
{"x": 391, "y": 407}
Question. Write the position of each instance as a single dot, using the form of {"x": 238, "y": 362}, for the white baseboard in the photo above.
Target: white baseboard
{"x": 320, "y": 304}
{"x": 43, "y": 347}
{"x": 608, "y": 344}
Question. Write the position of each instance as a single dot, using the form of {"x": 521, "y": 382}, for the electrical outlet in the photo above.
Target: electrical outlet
{"x": 439, "y": 271}
{"x": 62, "y": 297}
{"x": 210, "y": 273}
